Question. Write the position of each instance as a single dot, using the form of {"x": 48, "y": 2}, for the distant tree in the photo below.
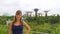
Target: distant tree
{"x": 46, "y": 13}
{"x": 36, "y": 9}
{"x": 29, "y": 12}
{"x": 39, "y": 14}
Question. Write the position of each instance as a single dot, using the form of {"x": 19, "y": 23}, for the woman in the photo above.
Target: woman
{"x": 16, "y": 27}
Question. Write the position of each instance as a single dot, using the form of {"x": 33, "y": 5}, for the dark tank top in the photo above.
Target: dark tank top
{"x": 17, "y": 29}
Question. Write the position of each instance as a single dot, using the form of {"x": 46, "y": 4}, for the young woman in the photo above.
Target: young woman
{"x": 16, "y": 27}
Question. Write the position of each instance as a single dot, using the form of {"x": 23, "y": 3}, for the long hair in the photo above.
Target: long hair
{"x": 17, "y": 13}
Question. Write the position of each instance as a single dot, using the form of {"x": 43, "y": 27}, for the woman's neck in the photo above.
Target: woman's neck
{"x": 18, "y": 21}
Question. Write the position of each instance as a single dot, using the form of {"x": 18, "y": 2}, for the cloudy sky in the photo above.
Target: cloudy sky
{"x": 9, "y": 7}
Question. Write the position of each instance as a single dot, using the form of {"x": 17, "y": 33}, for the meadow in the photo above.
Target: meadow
{"x": 37, "y": 27}
{"x": 42, "y": 28}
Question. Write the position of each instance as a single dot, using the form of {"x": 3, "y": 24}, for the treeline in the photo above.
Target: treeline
{"x": 3, "y": 19}
{"x": 43, "y": 19}
{"x": 38, "y": 20}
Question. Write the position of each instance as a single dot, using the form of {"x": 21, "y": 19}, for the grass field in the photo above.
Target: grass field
{"x": 45, "y": 28}
{"x": 4, "y": 29}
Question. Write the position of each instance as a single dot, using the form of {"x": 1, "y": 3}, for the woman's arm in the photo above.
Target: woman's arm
{"x": 10, "y": 28}
{"x": 27, "y": 27}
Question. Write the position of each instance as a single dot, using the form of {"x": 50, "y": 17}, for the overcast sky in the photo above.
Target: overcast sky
{"x": 11, "y": 6}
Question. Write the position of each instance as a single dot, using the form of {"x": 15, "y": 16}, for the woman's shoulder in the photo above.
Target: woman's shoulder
{"x": 11, "y": 23}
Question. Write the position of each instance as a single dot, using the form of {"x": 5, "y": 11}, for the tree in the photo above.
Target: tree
{"x": 29, "y": 12}
{"x": 46, "y": 18}
{"x": 46, "y": 13}
{"x": 39, "y": 14}
{"x": 36, "y": 9}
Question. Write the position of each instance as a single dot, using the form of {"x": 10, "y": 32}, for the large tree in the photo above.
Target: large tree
{"x": 36, "y": 9}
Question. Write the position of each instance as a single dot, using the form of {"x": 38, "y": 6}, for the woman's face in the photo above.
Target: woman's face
{"x": 18, "y": 16}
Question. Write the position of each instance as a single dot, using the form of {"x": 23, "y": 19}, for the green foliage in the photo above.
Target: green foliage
{"x": 51, "y": 24}
{"x": 42, "y": 19}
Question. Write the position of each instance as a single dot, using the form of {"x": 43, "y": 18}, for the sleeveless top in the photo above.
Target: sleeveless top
{"x": 17, "y": 29}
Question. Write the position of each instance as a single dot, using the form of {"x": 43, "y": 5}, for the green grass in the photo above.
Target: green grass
{"x": 3, "y": 29}
{"x": 45, "y": 28}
